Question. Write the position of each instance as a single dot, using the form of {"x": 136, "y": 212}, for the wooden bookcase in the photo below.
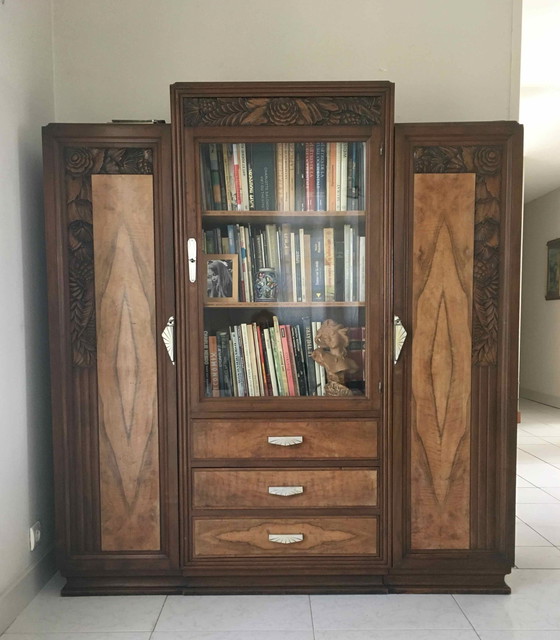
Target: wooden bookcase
{"x": 226, "y": 458}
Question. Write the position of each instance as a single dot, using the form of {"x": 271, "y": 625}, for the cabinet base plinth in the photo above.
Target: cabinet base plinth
{"x": 255, "y": 585}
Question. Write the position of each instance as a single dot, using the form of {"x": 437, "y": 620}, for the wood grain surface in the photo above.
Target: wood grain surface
{"x": 443, "y": 240}
{"x": 249, "y": 439}
{"x": 126, "y": 361}
{"x": 321, "y": 536}
{"x": 220, "y": 489}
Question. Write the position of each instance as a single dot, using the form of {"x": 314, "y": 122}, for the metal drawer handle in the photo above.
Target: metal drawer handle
{"x": 285, "y": 491}
{"x": 285, "y": 538}
{"x": 285, "y": 441}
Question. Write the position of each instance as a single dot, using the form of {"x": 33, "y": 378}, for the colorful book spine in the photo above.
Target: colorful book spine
{"x": 263, "y": 156}
{"x": 206, "y": 356}
{"x": 299, "y": 178}
{"x": 213, "y": 358}
{"x": 321, "y": 176}
{"x": 309, "y": 348}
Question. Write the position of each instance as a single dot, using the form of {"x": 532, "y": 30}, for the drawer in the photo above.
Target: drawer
{"x": 284, "y": 439}
{"x": 285, "y": 537}
{"x": 284, "y": 489}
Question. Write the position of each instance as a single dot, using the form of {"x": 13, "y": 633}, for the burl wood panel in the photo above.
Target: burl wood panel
{"x": 126, "y": 361}
{"x": 321, "y": 536}
{"x": 249, "y": 489}
{"x": 321, "y": 439}
{"x": 443, "y": 239}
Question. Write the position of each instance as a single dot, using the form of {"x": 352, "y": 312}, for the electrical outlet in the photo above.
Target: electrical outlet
{"x": 34, "y": 535}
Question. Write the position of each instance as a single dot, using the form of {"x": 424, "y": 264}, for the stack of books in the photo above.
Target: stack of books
{"x": 312, "y": 264}
{"x": 284, "y": 176}
{"x": 251, "y": 360}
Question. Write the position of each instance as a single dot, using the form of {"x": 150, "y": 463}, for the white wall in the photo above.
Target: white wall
{"x": 540, "y": 318}
{"x": 26, "y": 103}
{"x": 450, "y": 60}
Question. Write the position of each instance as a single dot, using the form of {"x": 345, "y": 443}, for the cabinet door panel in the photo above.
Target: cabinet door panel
{"x": 458, "y": 201}
{"x": 111, "y": 291}
{"x": 123, "y": 234}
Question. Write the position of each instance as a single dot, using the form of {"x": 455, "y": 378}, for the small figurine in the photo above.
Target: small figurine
{"x": 332, "y": 342}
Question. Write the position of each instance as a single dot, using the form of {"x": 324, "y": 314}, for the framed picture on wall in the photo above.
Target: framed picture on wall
{"x": 553, "y": 270}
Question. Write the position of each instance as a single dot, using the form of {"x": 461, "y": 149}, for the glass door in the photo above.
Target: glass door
{"x": 284, "y": 269}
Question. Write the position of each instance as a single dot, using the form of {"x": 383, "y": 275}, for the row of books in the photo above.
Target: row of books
{"x": 251, "y": 360}
{"x": 312, "y": 264}
{"x": 284, "y": 176}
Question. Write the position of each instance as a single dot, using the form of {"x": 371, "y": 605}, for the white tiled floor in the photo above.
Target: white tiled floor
{"x": 532, "y": 612}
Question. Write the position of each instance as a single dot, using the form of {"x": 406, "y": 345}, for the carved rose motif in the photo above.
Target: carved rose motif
{"x": 487, "y": 160}
{"x": 439, "y": 160}
{"x": 282, "y": 111}
{"x": 80, "y": 161}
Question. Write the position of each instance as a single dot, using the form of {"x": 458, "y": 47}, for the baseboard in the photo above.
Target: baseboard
{"x": 542, "y": 398}
{"x": 17, "y": 597}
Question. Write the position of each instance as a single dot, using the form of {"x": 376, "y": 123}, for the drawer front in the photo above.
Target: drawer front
{"x": 284, "y": 489}
{"x": 285, "y": 537}
{"x": 284, "y": 439}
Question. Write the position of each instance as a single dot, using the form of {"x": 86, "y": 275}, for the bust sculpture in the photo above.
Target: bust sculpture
{"x": 331, "y": 353}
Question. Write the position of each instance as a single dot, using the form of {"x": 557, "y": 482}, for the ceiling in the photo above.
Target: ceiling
{"x": 540, "y": 96}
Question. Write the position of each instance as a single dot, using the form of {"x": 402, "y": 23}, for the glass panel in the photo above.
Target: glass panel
{"x": 284, "y": 233}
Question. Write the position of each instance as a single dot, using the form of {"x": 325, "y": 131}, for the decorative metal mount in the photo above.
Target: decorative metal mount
{"x": 285, "y": 538}
{"x": 285, "y": 441}
{"x": 168, "y": 335}
{"x": 399, "y": 337}
{"x": 285, "y": 491}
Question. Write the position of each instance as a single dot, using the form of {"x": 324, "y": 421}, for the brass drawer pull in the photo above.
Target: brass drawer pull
{"x": 285, "y": 491}
{"x": 285, "y": 538}
{"x": 285, "y": 441}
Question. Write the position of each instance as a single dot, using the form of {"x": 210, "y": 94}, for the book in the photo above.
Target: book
{"x": 285, "y": 336}
{"x": 286, "y": 262}
{"x": 310, "y": 176}
{"x": 343, "y": 175}
{"x": 321, "y": 176}
{"x": 291, "y": 167}
{"x": 244, "y": 176}
{"x": 262, "y": 159}
{"x": 309, "y": 347}
{"x": 229, "y": 176}
{"x": 299, "y": 177}
{"x": 317, "y": 265}
{"x": 280, "y": 355}
{"x": 339, "y": 280}
{"x": 215, "y": 177}
{"x": 213, "y": 359}
{"x": 362, "y": 269}
{"x": 206, "y": 360}
{"x": 269, "y": 359}
{"x": 331, "y": 176}
{"x": 224, "y": 365}
{"x": 328, "y": 235}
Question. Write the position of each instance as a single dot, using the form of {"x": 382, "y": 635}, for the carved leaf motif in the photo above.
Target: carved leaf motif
{"x": 82, "y": 296}
{"x": 282, "y": 111}
{"x": 486, "y": 162}
{"x": 80, "y": 164}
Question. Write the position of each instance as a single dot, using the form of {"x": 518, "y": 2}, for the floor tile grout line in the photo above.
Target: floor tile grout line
{"x": 550, "y": 464}
{"x": 311, "y": 614}
{"x": 537, "y": 532}
{"x": 157, "y": 619}
{"x": 466, "y": 616}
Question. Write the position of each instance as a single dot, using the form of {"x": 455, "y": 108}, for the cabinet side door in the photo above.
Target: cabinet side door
{"x": 458, "y": 209}
{"x": 111, "y": 294}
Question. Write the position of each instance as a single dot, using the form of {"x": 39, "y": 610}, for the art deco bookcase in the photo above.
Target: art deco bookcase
{"x": 213, "y": 432}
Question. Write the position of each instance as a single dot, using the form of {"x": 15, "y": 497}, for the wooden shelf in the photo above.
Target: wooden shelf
{"x": 262, "y": 305}
{"x": 284, "y": 216}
